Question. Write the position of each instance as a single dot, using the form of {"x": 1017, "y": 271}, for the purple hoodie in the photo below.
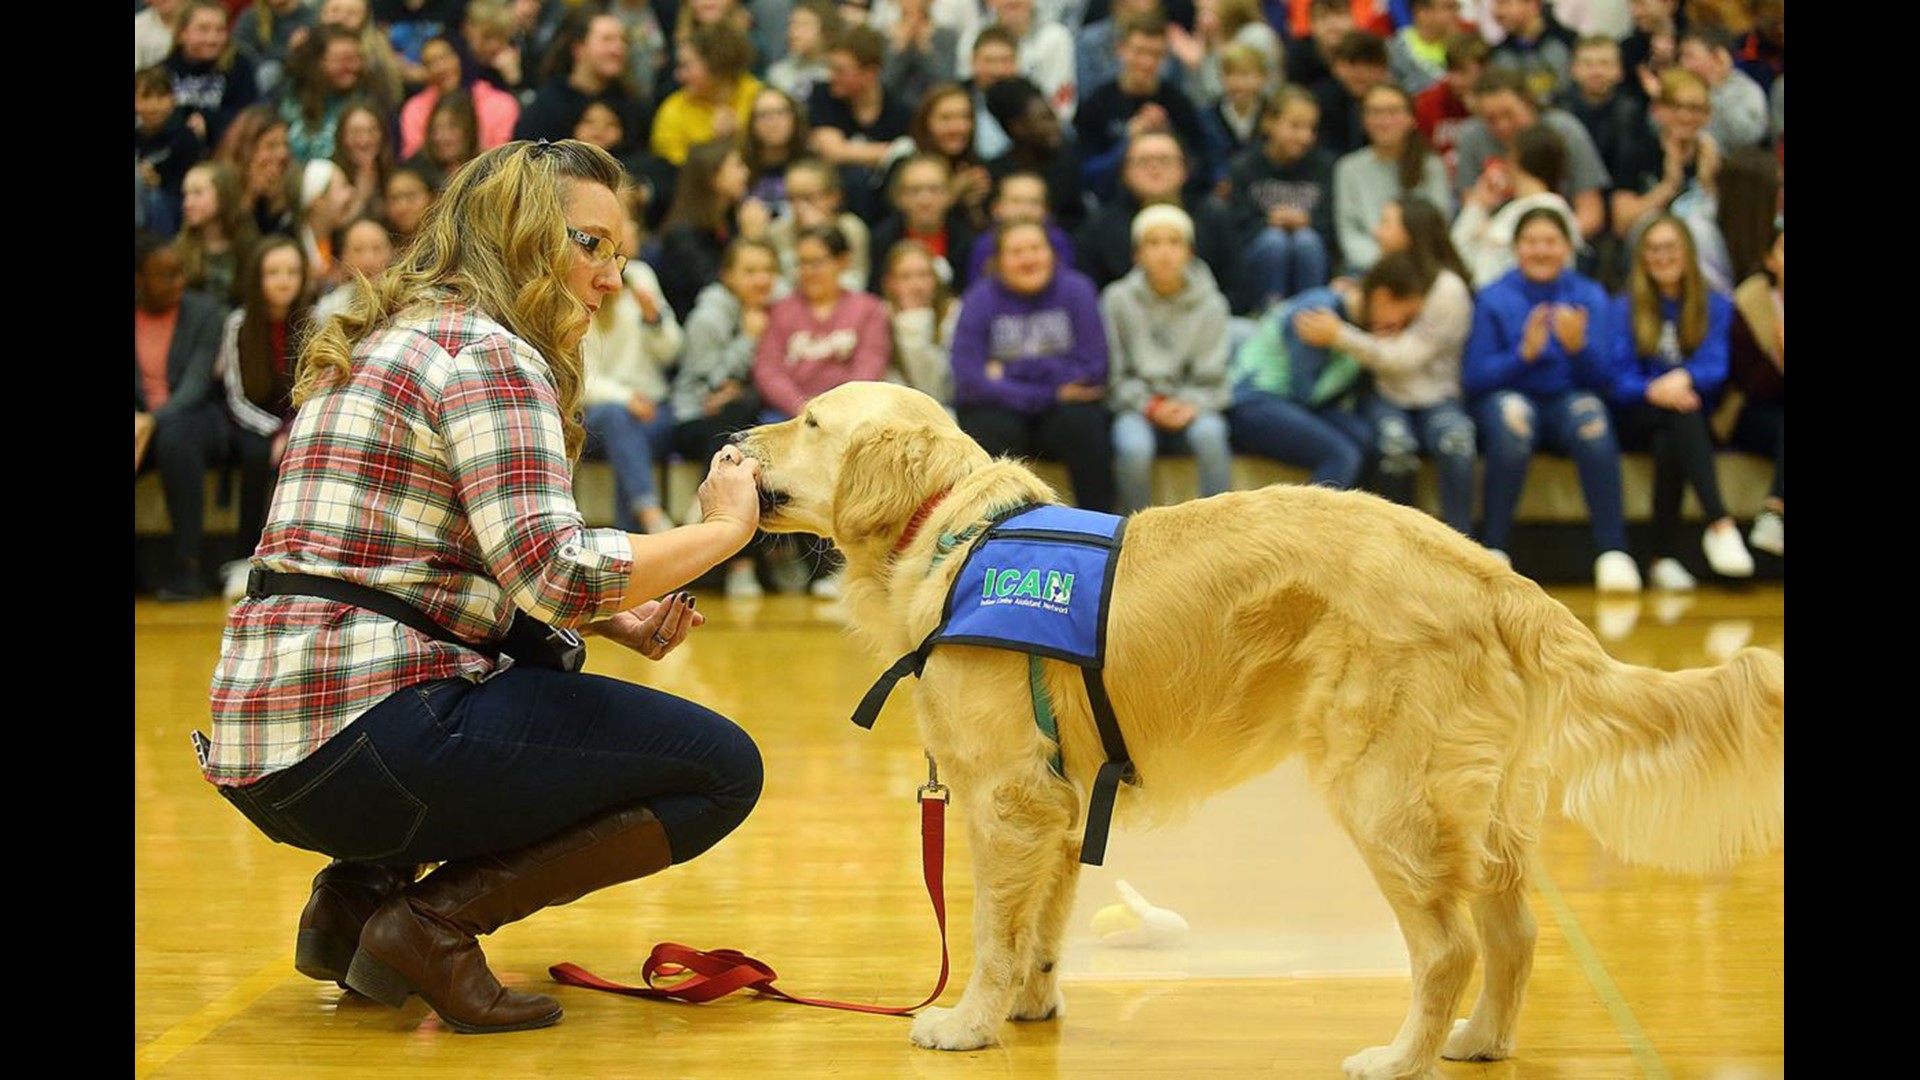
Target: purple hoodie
{"x": 1045, "y": 341}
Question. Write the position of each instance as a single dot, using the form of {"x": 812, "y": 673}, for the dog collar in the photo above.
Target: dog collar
{"x": 918, "y": 519}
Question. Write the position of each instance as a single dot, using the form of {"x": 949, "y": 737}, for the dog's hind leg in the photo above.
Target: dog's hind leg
{"x": 1016, "y": 826}
{"x": 1507, "y": 934}
{"x": 1038, "y": 997}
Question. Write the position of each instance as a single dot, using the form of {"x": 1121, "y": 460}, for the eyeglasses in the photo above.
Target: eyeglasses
{"x": 601, "y": 249}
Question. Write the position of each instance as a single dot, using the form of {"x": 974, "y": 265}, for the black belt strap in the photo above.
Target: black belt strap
{"x": 876, "y": 696}
{"x": 1116, "y": 770}
{"x": 263, "y": 582}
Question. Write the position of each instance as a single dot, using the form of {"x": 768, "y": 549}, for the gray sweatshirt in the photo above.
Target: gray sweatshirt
{"x": 1363, "y": 185}
{"x": 1419, "y": 367}
{"x": 1170, "y": 346}
{"x": 717, "y": 350}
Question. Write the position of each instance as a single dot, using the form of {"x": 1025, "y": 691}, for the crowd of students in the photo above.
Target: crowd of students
{"x": 1342, "y": 234}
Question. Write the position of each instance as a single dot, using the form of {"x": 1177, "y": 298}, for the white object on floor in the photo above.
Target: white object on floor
{"x": 1615, "y": 571}
{"x": 1670, "y": 575}
{"x": 1136, "y": 924}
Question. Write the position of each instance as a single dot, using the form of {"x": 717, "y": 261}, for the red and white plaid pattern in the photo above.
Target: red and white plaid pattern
{"x": 438, "y": 473}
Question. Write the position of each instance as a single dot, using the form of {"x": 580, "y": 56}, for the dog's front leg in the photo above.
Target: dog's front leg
{"x": 1015, "y": 829}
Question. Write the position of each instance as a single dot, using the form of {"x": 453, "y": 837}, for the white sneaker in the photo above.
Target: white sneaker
{"x": 1769, "y": 533}
{"x": 743, "y": 583}
{"x": 1726, "y": 552}
{"x": 1668, "y": 574}
{"x": 826, "y": 588}
{"x": 1615, "y": 571}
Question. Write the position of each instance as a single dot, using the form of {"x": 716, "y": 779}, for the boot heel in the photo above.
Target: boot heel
{"x": 378, "y": 981}
{"x": 322, "y": 956}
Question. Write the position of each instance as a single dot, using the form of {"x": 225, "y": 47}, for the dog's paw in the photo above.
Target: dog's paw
{"x": 945, "y": 1029}
{"x": 1468, "y": 1043}
{"x": 1386, "y": 1063}
{"x": 1039, "y": 1004}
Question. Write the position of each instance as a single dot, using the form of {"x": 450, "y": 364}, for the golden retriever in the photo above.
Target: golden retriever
{"x": 1434, "y": 693}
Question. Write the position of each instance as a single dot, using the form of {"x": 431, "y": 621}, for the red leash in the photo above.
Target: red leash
{"x": 705, "y": 976}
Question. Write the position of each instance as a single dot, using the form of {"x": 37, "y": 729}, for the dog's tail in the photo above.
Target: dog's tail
{"x": 1684, "y": 770}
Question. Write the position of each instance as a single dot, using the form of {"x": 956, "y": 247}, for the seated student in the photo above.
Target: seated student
{"x": 1535, "y": 367}
{"x": 1359, "y": 66}
{"x": 164, "y": 147}
{"x": 1139, "y": 102}
{"x": 1395, "y": 162}
{"x": 1018, "y": 196}
{"x": 927, "y": 212}
{"x": 1659, "y": 171}
{"x": 810, "y": 26}
{"x": 815, "y": 198}
{"x": 1045, "y": 52}
{"x": 1536, "y": 46}
{"x": 1236, "y": 116}
{"x": 855, "y": 120}
{"x": 629, "y": 348}
{"x": 713, "y": 395}
{"x": 1670, "y": 360}
{"x": 775, "y": 139}
{"x": 1757, "y": 372}
{"x": 1506, "y": 108}
{"x": 1167, "y": 360}
{"x": 1483, "y": 233}
{"x": 366, "y": 250}
{"x": 1037, "y": 145}
{"x": 216, "y": 232}
{"x": 1417, "y": 52}
{"x": 1030, "y": 363}
{"x": 1221, "y": 27}
{"x": 1282, "y": 199}
{"x": 943, "y": 126}
{"x": 1419, "y": 311}
{"x": 1309, "y": 60}
{"x": 1740, "y": 116}
{"x": 495, "y": 110}
{"x": 822, "y": 334}
{"x": 259, "y": 349}
{"x": 1293, "y": 402}
{"x": 922, "y": 312}
{"x": 716, "y": 94}
{"x": 1598, "y": 98}
{"x": 1441, "y": 109}
{"x": 710, "y": 208}
{"x": 1155, "y": 171}
{"x": 177, "y": 422}
{"x": 921, "y": 53}
{"x": 587, "y": 62}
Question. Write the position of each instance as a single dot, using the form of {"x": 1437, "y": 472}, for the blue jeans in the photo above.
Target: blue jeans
{"x": 1443, "y": 432}
{"x": 1329, "y": 441}
{"x": 631, "y": 445}
{"x": 1279, "y": 263}
{"x": 1136, "y": 442}
{"x": 452, "y": 769}
{"x": 1573, "y": 424}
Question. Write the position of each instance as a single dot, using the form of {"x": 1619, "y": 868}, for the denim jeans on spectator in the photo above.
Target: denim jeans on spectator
{"x": 452, "y": 769}
{"x": 1573, "y": 424}
{"x": 1330, "y": 442}
{"x": 1443, "y": 432}
{"x": 185, "y": 445}
{"x": 1682, "y": 448}
{"x": 1136, "y": 442}
{"x": 1075, "y": 433}
{"x": 1762, "y": 429}
{"x": 1282, "y": 263}
{"x": 631, "y": 445}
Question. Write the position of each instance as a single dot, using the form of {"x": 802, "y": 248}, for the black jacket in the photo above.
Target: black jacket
{"x": 196, "y": 344}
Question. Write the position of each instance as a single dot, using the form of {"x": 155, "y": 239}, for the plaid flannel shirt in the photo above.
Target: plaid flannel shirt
{"x": 437, "y": 472}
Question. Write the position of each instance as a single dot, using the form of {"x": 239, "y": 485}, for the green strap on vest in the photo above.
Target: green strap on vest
{"x": 1043, "y": 714}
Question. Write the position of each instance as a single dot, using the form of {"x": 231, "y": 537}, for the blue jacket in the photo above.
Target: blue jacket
{"x": 1708, "y": 364}
{"x": 1276, "y": 361}
{"x": 1492, "y": 361}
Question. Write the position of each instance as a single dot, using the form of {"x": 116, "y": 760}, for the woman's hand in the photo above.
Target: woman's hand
{"x": 642, "y": 408}
{"x": 1534, "y": 341}
{"x": 1075, "y": 392}
{"x": 722, "y": 397}
{"x": 731, "y": 492}
{"x": 1570, "y": 326}
{"x": 653, "y": 629}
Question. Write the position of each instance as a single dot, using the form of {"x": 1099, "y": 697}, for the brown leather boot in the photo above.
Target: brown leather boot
{"x": 422, "y": 939}
{"x": 344, "y": 895}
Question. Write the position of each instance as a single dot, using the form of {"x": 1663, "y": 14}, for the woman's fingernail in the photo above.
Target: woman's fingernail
{"x": 692, "y": 600}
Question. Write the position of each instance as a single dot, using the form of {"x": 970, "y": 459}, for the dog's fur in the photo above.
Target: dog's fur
{"x": 1434, "y": 692}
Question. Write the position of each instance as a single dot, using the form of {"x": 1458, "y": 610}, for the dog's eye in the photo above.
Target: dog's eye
{"x": 811, "y": 422}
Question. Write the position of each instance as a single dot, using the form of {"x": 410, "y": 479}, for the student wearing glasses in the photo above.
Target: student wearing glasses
{"x": 431, "y": 463}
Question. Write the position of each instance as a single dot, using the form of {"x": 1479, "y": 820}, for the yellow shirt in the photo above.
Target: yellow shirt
{"x": 684, "y": 123}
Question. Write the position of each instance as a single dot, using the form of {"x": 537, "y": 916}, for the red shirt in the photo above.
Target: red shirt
{"x": 1440, "y": 115}
{"x": 152, "y": 340}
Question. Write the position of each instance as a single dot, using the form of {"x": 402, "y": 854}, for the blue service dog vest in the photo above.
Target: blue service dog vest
{"x": 1038, "y": 582}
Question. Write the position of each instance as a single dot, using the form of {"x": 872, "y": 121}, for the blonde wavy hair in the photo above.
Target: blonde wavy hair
{"x": 1645, "y": 295}
{"x": 495, "y": 241}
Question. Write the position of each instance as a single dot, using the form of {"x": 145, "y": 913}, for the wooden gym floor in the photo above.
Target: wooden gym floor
{"x": 1293, "y": 963}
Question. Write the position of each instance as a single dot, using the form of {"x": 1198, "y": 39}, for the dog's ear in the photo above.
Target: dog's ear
{"x": 891, "y": 468}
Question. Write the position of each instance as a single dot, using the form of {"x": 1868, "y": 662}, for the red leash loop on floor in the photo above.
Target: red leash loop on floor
{"x": 705, "y": 976}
